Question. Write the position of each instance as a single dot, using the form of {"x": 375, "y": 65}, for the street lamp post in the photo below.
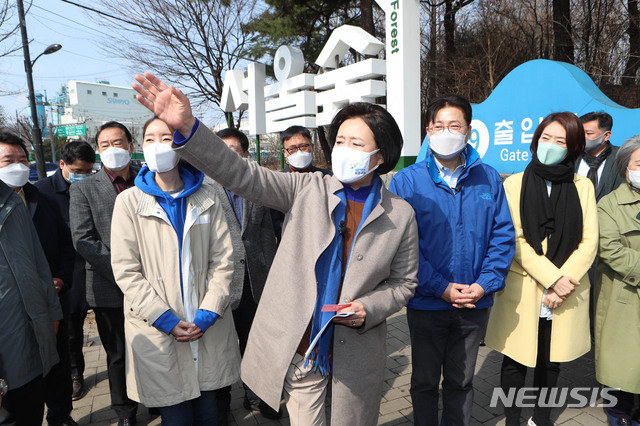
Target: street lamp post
{"x": 36, "y": 132}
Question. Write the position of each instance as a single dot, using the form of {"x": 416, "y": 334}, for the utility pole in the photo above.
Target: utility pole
{"x": 36, "y": 133}
{"x": 53, "y": 143}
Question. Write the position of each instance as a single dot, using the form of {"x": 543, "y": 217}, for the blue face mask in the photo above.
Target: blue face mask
{"x": 77, "y": 177}
{"x": 550, "y": 154}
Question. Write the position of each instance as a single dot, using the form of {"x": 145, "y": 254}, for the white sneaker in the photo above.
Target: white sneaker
{"x": 530, "y": 422}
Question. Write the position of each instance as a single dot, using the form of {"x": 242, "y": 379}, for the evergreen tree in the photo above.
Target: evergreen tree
{"x": 305, "y": 24}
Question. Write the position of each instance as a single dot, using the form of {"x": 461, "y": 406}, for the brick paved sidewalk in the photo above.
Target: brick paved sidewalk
{"x": 395, "y": 408}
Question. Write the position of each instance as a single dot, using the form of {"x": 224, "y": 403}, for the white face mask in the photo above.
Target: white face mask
{"x": 160, "y": 157}
{"x": 300, "y": 159}
{"x": 634, "y": 177}
{"x": 447, "y": 144}
{"x": 350, "y": 165}
{"x": 15, "y": 175}
{"x": 115, "y": 158}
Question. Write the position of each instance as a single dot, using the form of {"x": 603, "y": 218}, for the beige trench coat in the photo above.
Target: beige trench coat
{"x": 513, "y": 321}
{"x": 381, "y": 274}
{"x": 617, "y": 325}
{"x": 144, "y": 254}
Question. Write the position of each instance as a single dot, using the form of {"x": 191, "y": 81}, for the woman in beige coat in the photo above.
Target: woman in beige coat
{"x": 171, "y": 256}
{"x": 541, "y": 318}
{"x": 617, "y": 324}
{"x": 346, "y": 240}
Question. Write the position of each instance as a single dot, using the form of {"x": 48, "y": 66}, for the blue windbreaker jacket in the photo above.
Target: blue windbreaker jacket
{"x": 466, "y": 234}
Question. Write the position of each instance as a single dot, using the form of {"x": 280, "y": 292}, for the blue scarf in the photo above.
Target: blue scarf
{"x": 329, "y": 276}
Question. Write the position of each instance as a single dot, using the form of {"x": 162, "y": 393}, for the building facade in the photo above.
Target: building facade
{"x": 93, "y": 104}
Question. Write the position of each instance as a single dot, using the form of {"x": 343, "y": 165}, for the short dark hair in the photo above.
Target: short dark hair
{"x": 572, "y": 125}
{"x": 383, "y": 126}
{"x": 77, "y": 150}
{"x": 456, "y": 101}
{"x": 111, "y": 124}
{"x": 605, "y": 121}
{"x": 12, "y": 139}
{"x": 295, "y": 130}
{"x": 232, "y": 132}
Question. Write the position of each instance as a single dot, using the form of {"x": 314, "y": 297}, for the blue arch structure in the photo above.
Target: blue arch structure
{"x": 503, "y": 124}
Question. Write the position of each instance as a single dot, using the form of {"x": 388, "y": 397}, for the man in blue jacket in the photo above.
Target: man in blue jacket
{"x": 467, "y": 241}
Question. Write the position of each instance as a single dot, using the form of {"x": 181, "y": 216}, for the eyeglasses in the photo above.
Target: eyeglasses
{"x": 306, "y": 147}
{"x": 453, "y": 127}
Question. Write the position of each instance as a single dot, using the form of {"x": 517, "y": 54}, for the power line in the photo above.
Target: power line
{"x": 35, "y": 17}
{"x": 70, "y": 20}
{"x": 99, "y": 12}
{"x": 40, "y": 18}
{"x": 152, "y": 30}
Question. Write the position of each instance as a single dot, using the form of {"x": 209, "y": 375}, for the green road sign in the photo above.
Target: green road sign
{"x": 71, "y": 130}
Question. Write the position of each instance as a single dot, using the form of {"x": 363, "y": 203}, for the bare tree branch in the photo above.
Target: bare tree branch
{"x": 189, "y": 43}
{"x": 8, "y": 43}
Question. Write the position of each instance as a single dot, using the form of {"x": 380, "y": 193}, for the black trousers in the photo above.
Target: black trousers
{"x": 58, "y": 381}
{"x": 444, "y": 343}
{"x": 624, "y": 406}
{"x": 243, "y": 315}
{"x": 545, "y": 375}
{"x": 26, "y": 403}
{"x": 242, "y": 318}
{"x": 110, "y": 322}
{"x": 76, "y": 342}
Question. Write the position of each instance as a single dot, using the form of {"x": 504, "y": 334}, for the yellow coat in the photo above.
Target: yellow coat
{"x": 513, "y": 322}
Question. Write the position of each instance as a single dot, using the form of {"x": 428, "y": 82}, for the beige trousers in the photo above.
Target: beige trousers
{"x": 304, "y": 394}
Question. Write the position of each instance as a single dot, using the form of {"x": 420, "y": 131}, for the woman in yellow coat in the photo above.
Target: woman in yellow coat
{"x": 541, "y": 318}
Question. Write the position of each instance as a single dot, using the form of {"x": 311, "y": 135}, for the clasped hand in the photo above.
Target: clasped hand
{"x": 552, "y": 300}
{"x": 463, "y": 295}
{"x": 186, "y": 331}
{"x": 58, "y": 284}
{"x": 559, "y": 292}
{"x": 565, "y": 286}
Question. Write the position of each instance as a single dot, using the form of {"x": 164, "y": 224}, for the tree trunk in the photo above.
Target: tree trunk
{"x": 587, "y": 33}
{"x": 433, "y": 53}
{"x": 449, "y": 29}
{"x": 366, "y": 16}
{"x": 563, "y": 42}
{"x": 324, "y": 144}
{"x": 633, "y": 31}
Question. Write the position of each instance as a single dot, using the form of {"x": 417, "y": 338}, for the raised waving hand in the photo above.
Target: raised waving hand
{"x": 166, "y": 102}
